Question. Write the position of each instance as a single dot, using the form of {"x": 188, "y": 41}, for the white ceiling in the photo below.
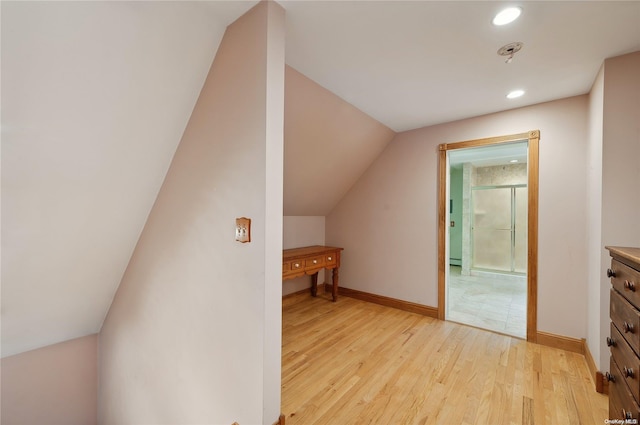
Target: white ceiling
{"x": 410, "y": 64}
{"x": 96, "y": 95}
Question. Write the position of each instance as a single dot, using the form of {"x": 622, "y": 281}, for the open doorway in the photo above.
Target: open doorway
{"x": 488, "y": 233}
{"x": 487, "y": 283}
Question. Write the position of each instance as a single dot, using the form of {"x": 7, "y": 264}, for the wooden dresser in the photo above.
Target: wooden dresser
{"x": 309, "y": 260}
{"x": 624, "y": 338}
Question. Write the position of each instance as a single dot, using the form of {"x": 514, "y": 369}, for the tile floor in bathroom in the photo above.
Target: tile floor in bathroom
{"x": 497, "y": 304}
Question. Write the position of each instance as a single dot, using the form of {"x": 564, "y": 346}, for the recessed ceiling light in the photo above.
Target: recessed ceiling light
{"x": 506, "y": 16}
{"x": 513, "y": 161}
{"x": 515, "y": 93}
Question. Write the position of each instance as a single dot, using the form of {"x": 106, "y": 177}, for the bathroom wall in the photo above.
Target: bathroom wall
{"x": 455, "y": 231}
{"x": 498, "y": 175}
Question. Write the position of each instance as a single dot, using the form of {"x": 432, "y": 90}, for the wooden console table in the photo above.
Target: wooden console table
{"x": 309, "y": 260}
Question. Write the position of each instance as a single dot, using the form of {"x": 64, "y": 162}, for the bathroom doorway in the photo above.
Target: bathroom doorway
{"x": 488, "y": 234}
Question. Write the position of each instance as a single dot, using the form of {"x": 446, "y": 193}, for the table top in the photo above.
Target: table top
{"x": 288, "y": 254}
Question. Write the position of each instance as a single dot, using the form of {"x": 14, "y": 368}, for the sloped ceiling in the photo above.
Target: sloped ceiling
{"x": 328, "y": 144}
{"x": 96, "y": 95}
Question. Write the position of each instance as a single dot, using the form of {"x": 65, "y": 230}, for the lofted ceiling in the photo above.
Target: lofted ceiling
{"x": 95, "y": 98}
{"x": 411, "y": 64}
{"x": 96, "y": 95}
{"x": 328, "y": 144}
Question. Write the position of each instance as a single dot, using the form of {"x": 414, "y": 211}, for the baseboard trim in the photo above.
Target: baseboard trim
{"x": 280, "y": 420}
{"x": 602, "y": 385}
{"x": 389, "y": 302}
{"x": 562, "y": 342}
{"x": 576, "y": 346}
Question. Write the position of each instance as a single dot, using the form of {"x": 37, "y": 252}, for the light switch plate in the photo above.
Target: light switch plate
{"x": 243, "y": 229}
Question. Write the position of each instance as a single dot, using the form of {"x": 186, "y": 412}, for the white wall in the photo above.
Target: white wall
{"x": 302, "y": 231}
{"x": 620, "y": 171}
{"x": 193, "y": 334}
{"x": 53, "y": 385}
{"x": 593, "y": 179}
{"x": 274, "y": 170}
{"x": 387, "y": 222}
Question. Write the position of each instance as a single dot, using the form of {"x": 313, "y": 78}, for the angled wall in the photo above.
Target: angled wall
{"x": 329, "y": 143}
{"x": 91, "y": 118}
{"x": 193, "y": 334}
{"x": 53, "y": 385}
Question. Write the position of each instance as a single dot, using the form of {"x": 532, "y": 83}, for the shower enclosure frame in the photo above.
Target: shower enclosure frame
{"x": 513, "y": 232}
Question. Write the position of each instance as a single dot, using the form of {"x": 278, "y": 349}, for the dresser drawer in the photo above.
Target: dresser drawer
{"x": 626, "y": 281}
{"x": 621, "y": 403}
{"x": 292, "y": 268}
{"x": 330, "y": 260}
{"x": 296, "y": 265}
{"x": 626, "y": 318}
{"x": 627, "y": 361}
{"x": 310, "y": 263}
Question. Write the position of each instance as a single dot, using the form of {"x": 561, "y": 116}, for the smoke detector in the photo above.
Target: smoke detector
{"x": 509, "y": 50}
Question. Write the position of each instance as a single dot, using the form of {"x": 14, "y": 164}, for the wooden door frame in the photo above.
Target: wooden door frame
{"x": 533, "y": 137}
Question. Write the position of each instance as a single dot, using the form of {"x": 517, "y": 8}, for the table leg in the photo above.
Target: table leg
{"x": 314, "y": 284}
{"x": 334, "y": 292}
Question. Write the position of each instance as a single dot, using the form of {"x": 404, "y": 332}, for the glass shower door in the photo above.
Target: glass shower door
{"x": 499, "y": 230}
{"x": 491, "y": 208}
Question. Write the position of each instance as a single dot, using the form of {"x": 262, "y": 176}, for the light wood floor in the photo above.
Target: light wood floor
{"x": 354, "y": 362}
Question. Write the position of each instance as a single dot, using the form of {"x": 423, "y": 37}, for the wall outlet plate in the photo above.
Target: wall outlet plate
{"x": 243, "y": 229}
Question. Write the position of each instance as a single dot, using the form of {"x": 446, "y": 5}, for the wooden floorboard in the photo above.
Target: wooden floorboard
{"x": 354, "y": 362}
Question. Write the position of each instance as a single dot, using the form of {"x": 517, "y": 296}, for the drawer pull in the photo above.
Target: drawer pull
{"x": 609, "y": 377}
{"x": 611, "y": 342}
{"x": 611, "y": 273}
{"x": 626, "y": 415}
{"x": 296, "y": 265}
{"x": 627, "y": 327}
{"x": 328, "y": 258}
{"x": 315, "y": 261}
{"x": 631, "y": 286}
{"x": 628, "y": 372}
